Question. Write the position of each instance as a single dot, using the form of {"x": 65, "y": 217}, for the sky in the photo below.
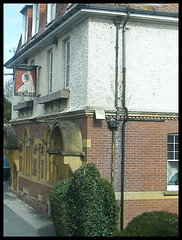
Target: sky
{"x": 12, "y": 29}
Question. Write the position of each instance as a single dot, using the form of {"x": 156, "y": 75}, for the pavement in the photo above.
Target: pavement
{"x": 22, "y": 220}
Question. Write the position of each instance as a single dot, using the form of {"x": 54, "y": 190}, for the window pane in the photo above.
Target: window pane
{"x": 176, "y": 139}
{"x": 170, "y": 147}
{"x": 170, "y": 139}
{"x": 176, "y": 156}
{"x": 176, "y": 147}
{"x": 50, "y": 71}
{"x": 68, "y": 52}
{"x": 170, "y": 155}
{"x": 67, "y": 64}
{"x": 67, "y": 75}
{"x": 172, "y": 173}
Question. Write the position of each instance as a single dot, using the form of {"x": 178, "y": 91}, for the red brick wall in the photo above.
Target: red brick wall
{"x": 30, "y": 12}
{"x": 146, "y": 166}
{"x": 34, "y": 188}
{"x": 101, "y": 146}
{"x": 60, "y": 10}
{"x": 133, "y": 208}
{"x": 145, "y": 151}
{"x": 146, "y": 155}
{"x": 42, "y": 18}
{"x": 145, "y": 159}
{"x": 101, "y": 143}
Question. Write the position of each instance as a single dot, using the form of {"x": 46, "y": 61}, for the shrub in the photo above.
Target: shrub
{"x": 59, "y": 204}
{"x": 155, "y": 223}
{"x": 86, "y": 205}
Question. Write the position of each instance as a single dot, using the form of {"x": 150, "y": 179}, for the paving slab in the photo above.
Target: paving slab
{"x": 19, "y": 210}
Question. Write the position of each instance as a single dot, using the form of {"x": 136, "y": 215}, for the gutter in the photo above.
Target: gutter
{"x": 80, "y": 10}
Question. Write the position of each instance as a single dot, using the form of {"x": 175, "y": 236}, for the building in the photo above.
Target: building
{"x": 97, "y": 83}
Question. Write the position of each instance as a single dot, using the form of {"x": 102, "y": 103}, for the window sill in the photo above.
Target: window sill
{"x": 20, "y": 106}
{"x": 63, "y": 94}
{"x": 171, "y": 193}
{"x": 49, "y": 23}
{"x": 33, "y": 37}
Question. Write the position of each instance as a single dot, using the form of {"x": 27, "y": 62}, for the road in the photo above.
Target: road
{"x": 22, "y": 220}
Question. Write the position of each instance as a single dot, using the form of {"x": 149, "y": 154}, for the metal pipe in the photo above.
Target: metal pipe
{"x": 113, "y": 150}
{"x": 117, "y": 22}
{"x": 125, "y": 117}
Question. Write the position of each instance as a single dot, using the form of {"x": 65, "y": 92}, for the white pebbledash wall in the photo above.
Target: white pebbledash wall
{"x": 151, "y": 67}
{"x": 101, "y": 68}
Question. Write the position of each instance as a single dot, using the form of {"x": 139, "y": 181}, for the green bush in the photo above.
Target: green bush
{"x": 84, "y": 205}
{"x": 59, "y": 203}
{"x": 156, "y": 224}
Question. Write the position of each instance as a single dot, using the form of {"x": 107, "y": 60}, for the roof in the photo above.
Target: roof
{"x": 24, "y": 9}
{"x": 157, "y": 7}
{"x": 142, "y": 9}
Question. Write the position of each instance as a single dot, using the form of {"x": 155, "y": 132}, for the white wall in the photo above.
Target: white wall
{"x": 152, "y": 67}
{"x": 101, "y": 69}
{"x": 79, "y": 66}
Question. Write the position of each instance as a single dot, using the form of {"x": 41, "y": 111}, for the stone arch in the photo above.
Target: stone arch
{"x": 47, "y": 165}
{"x": 11, "y": 150}
{"x": 57, "y": 139}
{"x": 27, "y": 152}
{"x": 26, "y": 134}
{"x": 10, "y": 139}
{"x": 46, "y": 133}
{"x": 66, "y": 147}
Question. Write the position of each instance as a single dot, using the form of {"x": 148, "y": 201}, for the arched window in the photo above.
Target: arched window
{"x": 47, "y": 164}
{"x": 27, "y": 154}
{"x": 57, "y": 144}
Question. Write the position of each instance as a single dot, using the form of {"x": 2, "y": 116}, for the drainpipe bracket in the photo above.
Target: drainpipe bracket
{"x": 118, "y": 20}
{"x": 112, "y": 123}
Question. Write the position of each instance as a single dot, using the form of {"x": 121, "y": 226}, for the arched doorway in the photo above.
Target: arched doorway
{"x": 65, "y": 149}
{"x": 47, "y": 165}
{"x": 57, "y": 158}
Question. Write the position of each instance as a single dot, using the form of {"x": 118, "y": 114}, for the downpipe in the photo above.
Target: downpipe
{"x": 125, "y": 118}
{"x": 113, "y": 125}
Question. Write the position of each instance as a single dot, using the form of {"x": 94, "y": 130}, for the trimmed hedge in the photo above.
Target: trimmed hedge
{"x": 59, "y": 204}
{"x": 152, "y": 224}
{"x": 84, "y": 205}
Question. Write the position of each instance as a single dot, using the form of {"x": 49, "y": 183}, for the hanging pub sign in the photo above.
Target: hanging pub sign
{"x": 25, "y": 81}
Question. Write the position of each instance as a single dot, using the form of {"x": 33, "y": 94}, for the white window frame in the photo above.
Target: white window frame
{"x": 25, "y": 28}
{"x": 35, "y": 20}
{"x": 51, "y": 12}
{"x": 173, "y": 187}
{"x": 50, "y": 70}
{"x": 67, "y": 64}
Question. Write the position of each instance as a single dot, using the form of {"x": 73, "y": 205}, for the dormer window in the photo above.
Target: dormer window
{"x": 26, "y": 17}
{"x": 51, "y": 12}
{"x": 36, "y": 16}
{"x": 25, "y": 28}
